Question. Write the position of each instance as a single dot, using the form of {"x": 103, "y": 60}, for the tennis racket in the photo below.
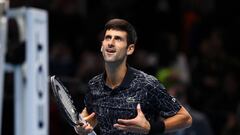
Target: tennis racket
{"x": 65, "y": 103}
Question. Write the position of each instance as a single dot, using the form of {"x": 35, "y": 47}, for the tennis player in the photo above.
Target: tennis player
{"x": 125, "y": 100}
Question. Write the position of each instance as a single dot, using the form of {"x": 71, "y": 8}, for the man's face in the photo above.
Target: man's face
{"x": 114, "y": 46}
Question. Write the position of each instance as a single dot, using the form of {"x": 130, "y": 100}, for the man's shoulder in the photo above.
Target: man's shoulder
{"x": 145, "y": 76}
{"x": 95, "y": 79}
{"x": 147, "y": 79}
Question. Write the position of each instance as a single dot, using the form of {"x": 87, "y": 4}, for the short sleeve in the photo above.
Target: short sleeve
{"x": 162, "y": 102}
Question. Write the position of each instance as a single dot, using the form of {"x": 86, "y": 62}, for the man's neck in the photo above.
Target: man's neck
{"x": 115, "y": 74}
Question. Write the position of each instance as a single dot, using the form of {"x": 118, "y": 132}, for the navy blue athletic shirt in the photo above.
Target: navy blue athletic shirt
{"x": 121, "y": 102}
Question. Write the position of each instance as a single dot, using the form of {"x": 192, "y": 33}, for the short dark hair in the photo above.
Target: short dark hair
{"x": 123, "y": 25}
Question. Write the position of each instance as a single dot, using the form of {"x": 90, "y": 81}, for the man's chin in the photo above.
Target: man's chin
{"x": 110, "y": 61}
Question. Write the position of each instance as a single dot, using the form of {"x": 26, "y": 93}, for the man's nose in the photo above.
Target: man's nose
{"x": 111, "y": 43}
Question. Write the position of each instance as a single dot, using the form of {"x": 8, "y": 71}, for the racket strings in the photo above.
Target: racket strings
{"x": 68, "y": 103}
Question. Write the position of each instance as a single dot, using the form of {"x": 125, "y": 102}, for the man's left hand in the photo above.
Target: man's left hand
{"x": 139, "y": 124}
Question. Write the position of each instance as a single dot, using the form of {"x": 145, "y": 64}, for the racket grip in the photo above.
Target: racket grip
{"x": 92, "y": 133}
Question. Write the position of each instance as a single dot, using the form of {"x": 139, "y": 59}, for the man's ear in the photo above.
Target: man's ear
{"x": 130, "y": 49}
{"x": 101, "y": 48}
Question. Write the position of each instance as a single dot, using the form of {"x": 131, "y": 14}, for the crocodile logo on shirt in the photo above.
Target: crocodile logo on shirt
{"x": 130, "y": 100}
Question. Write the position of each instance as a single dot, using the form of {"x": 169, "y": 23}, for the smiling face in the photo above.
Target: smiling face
{"x": 114, "y": 46}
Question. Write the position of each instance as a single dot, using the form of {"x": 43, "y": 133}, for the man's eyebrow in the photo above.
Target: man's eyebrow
{"x": 108, "y": 36}
{"x": 118, "y": 37}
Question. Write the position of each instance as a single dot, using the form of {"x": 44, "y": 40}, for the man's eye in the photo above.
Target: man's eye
{"x": 107, "y": 38}
{"x": 118, "y": 39}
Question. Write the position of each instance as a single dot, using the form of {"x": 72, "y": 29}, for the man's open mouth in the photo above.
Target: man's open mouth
{"x": 110, "y": 50}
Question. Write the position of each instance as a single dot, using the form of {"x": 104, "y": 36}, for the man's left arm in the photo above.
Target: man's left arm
{"x": 139, "y": 124}
{"x": 181, "y": 120}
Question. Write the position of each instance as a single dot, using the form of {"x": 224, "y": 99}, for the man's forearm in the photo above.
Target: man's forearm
{"x": 179, "y": 121}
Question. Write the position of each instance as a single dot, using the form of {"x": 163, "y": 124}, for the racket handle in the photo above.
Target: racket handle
{"x": 92, "y": 133}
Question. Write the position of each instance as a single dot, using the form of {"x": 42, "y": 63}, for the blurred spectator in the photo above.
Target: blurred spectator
{"x": 225, "y": 103}
{"x": 231, "y": 126}
{"x": 207, "y": 67}
{"x": 178, "y": 89}
{"x": 176, "y": 76}
{"x": 70, "y": 7}
{"x": 214, "y": 88}
{"x": 61, "y": 62}
{"x": 145, "y": 60}
{"x": 175, "y": 60}
{"x": 90, "y": 63}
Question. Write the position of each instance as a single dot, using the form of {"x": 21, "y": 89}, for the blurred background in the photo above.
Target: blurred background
{"x": 189, "y": 45}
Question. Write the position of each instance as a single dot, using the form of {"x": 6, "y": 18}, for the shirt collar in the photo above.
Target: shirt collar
{"x": 129, "y": 76}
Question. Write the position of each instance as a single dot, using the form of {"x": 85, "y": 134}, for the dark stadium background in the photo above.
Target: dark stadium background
{"x": 202, "y": 34}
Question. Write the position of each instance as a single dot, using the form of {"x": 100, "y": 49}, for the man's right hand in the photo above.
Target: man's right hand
{"x": 85, "y": 128}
